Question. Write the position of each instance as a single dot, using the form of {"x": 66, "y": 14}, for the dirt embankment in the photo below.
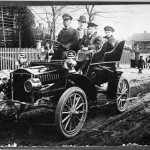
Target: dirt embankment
{"x": 106, "y": 128}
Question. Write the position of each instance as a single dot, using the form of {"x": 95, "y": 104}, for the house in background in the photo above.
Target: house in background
{"x": 141, "y": 44}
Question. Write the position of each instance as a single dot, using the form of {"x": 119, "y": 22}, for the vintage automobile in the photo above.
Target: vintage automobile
{"x": 68, "y": 94}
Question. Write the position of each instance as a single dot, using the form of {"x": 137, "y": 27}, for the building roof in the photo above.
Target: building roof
{"x": 141, "y": 36}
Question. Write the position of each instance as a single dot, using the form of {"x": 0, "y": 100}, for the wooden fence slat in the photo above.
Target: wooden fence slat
{"x": 9, "y": 55}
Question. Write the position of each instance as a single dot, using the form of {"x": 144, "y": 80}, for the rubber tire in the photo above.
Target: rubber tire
{"x": 59, "y": 107}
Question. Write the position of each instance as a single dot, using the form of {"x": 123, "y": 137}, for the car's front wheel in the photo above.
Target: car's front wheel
{"x": 71, "y": 112}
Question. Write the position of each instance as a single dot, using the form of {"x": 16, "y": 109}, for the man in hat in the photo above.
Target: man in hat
{"x": 68, "y": 37}
{"x": 92, "y": 41}
{"x": 110, "y": 39}
{"x": 82, "y": 29}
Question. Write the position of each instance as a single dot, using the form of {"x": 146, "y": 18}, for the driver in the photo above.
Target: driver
{"x": 68, "y": 36}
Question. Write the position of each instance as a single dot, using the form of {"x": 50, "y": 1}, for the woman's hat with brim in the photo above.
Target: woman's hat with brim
{"x": 109, "y": 28}
{"x": 92, "y": 24}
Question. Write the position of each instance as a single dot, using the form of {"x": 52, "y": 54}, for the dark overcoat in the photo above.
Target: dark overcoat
{"x": 69, "y": 37}
{"x": 93, "y": 42}
{"x": 111, "y": 43}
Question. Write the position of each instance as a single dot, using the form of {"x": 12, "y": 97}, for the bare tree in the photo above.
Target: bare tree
{"x": 51, "y": 15}
{"x": 92, "y": 12}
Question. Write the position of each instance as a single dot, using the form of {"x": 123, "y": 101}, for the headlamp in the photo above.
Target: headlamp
{"x": 32, "y": 84}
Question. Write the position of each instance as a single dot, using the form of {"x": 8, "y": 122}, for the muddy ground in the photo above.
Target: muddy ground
{"x": 105, "y": 128}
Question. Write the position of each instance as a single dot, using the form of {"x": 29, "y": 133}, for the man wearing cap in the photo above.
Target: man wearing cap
{"x": 68, "y": 37}
{"x": 110, "y": 39}
{"x": 92, "y": 41}
{"x": 82, "y": 29}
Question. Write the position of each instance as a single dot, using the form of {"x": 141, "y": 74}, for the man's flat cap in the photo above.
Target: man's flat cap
{"x": 109, "y": 28}
{"x": 67, "y": 16}
{"x": 92, "y": 24}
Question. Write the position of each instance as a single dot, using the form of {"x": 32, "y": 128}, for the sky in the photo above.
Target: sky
{"x": 125, "y": 19}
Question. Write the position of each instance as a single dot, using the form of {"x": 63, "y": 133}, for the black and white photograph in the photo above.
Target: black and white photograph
{"x": 74, "y": 74}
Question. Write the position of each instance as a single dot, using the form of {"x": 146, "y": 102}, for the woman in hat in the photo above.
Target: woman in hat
{"x": 110, "y": 39}
{"x": 92, "y": 41}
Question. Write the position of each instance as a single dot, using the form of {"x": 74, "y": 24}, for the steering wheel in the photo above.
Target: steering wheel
{"x": 55, "y": 42}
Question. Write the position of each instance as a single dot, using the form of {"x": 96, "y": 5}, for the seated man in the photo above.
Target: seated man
{"x": 110, "y": 39}
{"x": 68, "y": 37}
{"x": 92, "y": 41}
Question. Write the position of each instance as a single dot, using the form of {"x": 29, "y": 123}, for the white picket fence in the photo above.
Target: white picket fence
{"x": 8, "y": 56}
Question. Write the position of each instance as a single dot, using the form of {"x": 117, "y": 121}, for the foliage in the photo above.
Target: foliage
{"x": 26, "y": 24}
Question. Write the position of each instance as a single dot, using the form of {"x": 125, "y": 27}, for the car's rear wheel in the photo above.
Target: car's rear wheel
{"x": 123, "y": 93}
{"x": 71, "y": 112}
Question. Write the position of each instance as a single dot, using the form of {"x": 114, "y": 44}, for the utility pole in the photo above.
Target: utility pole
{"x": 19, "y": 29}
{"x": 3, "y": 28}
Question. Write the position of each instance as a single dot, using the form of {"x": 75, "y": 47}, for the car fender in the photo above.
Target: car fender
{"x": 84, "y": 83}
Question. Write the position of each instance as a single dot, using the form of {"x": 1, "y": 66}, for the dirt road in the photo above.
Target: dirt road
{"x": 106, "y": 128}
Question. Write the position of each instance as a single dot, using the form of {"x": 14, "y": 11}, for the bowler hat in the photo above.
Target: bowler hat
{"x": 109, "y": 28}
{"x": 92, "y": 24}
{"x": 67, "y": 16}
{"x": 82, "y": 18}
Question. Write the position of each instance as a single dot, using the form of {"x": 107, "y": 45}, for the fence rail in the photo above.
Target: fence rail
{"x": 8, "y": 56}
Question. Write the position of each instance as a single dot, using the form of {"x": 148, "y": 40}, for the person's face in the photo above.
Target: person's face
{"x": 23, "y": 59}
{"x": 108, "y": 33}
{"x": 82, "y": 24}
{"x": 66, "y": 22}
{"x": 141, "y": 57}
{"x": 91, "y": 30}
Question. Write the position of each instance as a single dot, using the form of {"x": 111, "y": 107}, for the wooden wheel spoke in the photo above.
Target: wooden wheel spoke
{"x": 65, "y": 112}
{"x": 74, "y": 100}
{"x": 65, "y": 119}
{"x": 70, "y": 124}
{"x": 67, "y": 106}
{"x": 119, "y": 97}
{"x": 67, "y": 123}
{"x": 79, "y": 106}
{"x": 77, "y": 101}
{"x": 78, "y": 118}
{"x": 80, "y": 112}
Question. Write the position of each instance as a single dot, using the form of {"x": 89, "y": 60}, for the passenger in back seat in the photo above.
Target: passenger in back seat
{"x": 92, "y": 41}
{"x": 110, "y": 39}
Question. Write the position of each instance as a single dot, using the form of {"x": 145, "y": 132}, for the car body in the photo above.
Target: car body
{"x": 69, "y": 95}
